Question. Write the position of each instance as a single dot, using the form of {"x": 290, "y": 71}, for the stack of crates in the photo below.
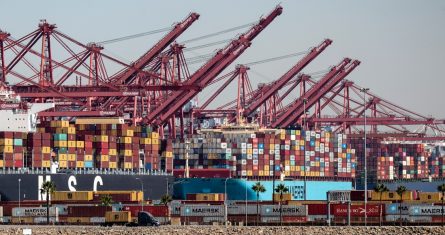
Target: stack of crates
{"x": 126, "y": 147}
{"x": 101, "y": 151}
{"x": 60, "y": 143}
{"x": 6, "y": 149}
{"x": 39, "y": 150}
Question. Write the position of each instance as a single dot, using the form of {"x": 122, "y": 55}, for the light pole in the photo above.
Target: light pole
{"x": 246, "y": 200}
{"x": 364, "y": 90}
{"x": 20, "y": 180}
{"x": 225, "y": 201}
{"x": 306, "y": 128}
{"x": 142, "y": 187}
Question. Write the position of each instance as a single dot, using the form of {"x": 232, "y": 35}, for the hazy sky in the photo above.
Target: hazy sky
{"x": 401, "y": 43}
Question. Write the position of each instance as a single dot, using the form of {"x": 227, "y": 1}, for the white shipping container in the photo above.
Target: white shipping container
{"x": 202, "y": 210}
{"x": 287, "y": 210}
{"x": 419, "y": 210}
{"x": 240, "y": 209}
{"x": 1, "y": 211}
{"x": 33, "y": 211}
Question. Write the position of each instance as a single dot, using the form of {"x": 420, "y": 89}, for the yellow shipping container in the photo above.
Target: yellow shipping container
{"x": 46, "y": 164}
{"x": 71, "y": 157}
{"x": 249, "y": 173}
{"x": 168, "y": 154}
{"x": 112, "y": 152}
{"x": 154, "y": 141}
{"x": 62, "y": 157}
{"x": 292, "y": 168}
{"x": 118, "y": 217}
{"x": 154, "y": 135}
{"x": 145, "y": 141}
{"x": 286, "y": 196}
{"x": 80, "y": 144}
{"x": 430, "y": 197}
{"x": 63, "y": 164}
{"x": 1, "y": 163}
{"x": 80, "y": 164}
{"x": 126, "y": 152}
{"x": 6, "y": 142}
{"x": 71, "y": 144}
{"x": 78, "y": 220}
{"x": 287, "y": 173}
{"x": 104, "y": 158}
{"x": 297, "y": 168}
{"x": 60, "y": 143}
{"x": 6, "y": 149}
{"x": 46, "y": 150}
{"x": 249, "y": 151}
{"x": 261, "y": 173}
{"x": 301, "y": 142}
{"x": 266, "y": 167}
{"x": 128, "y": 165}
{"x": 71, "y": 130}
{"x": 98, "y": 120}
{"x": 127, "y": 140}
{"x": 392, "y": 196}
{"x": 88, "y": 158}
{"x": 297, "y": 132}
{"x": 113, "y": 165}
{"x": 72, "y": 196}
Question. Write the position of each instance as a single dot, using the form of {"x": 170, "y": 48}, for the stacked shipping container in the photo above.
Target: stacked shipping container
{"x": 268, "y": 153}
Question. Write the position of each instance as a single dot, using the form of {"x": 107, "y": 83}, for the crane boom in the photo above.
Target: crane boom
{"x": 278, "y": 84}
{"x": 204, "y": 75}
{"x": 295, "y": 110}
{"x": 128, "y": 75}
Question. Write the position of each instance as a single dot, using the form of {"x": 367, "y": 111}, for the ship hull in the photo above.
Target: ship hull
{"x": 154, "y": 185}
{"x": 239, "y": 189}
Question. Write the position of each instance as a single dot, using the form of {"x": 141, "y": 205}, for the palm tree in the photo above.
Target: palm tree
{"x": 106, "y": 200}
{"x": 258, "y": 188}
{"x": 380, "y": 188}
{"x": 281, "y": 189}
{"x": 441, "y": 188}
{"x": 166, "y": 199}
{"x": 400, "y": 190}
{"x": 48, "y": 187}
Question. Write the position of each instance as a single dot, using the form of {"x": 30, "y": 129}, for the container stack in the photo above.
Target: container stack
{"x": 6, "y": 149}
{"x": 385, "y": 168}
{"x": 266, "y": 153}
{"x": 101, "y": 150}
{"x": 39, "y": 150}
{"x": 167, "y": 155}
{"x": 125, "y": 150}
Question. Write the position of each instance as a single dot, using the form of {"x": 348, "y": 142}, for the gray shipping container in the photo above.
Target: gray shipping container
{"x": 96, "y": 220}
{"x": 1, "y": 211}
{"x": 240, "y": 209}
{"x": 202, "y": 210}
{"x": 425, "y": 210}
{"x": 42, "y": 220}
{"x": 33, "y": 211}
{"x": 175, "y": 208}
{"x": 288, "y": 210}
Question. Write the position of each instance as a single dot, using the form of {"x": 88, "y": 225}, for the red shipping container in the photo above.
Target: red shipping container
{"x": 88, "y": 211}
{"x": 18, "y": 163}
{"x": 357, "y": 210}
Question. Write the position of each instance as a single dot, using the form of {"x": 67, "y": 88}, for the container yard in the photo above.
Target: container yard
{"x": 88, "y": 138}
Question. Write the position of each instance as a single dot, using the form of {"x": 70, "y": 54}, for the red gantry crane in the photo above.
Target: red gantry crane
{"x": 203, "y": 76}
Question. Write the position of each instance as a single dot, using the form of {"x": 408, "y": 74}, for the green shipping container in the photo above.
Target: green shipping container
{"x": 58, "y": 137}
{"x": 18, "y": 142}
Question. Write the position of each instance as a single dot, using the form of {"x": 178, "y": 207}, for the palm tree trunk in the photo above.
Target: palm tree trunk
{"x": 47, "y": 207}
{"x": 442, "y": 209}
{"x": 257, "y": 202}
{"x": 281, "y": 209}
{"x": 400, "y": 209}
{"x": 380, "y": 212}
